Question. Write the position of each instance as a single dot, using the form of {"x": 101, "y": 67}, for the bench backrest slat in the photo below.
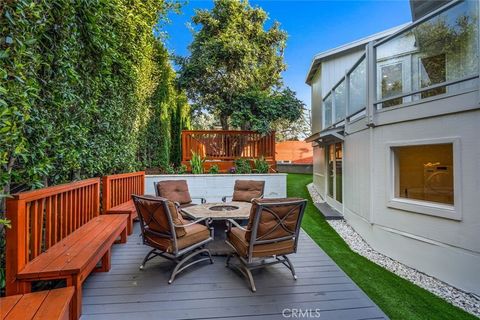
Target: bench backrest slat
{"x": 118, "y": 188}
{"x": 40, "y": 218}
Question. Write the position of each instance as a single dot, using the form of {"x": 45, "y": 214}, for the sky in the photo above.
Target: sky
{"x": 313, "y": 26}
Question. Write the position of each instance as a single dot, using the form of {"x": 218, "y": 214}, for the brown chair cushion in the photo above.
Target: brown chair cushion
{"x": 193, "y": 234}
{"x": 246, "y": 190}
{"x": 174, "y": 190}
{"x": 268, "y": 227}
{"x": 236, "y": 237}
{"x": 155, "y": 217}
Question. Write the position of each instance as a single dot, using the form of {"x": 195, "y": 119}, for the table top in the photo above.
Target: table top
{"x": 242, "y": 211}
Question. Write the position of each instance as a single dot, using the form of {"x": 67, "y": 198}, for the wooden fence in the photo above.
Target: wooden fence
{"x": 41, "y": 218}
{"x": 118, "y": 188}
{"x": 228, "y": 145}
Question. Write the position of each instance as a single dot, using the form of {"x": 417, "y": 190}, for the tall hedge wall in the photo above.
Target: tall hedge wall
{"x": 86, "y": 89}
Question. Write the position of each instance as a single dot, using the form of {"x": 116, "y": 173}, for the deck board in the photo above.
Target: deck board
{"x": 208, "y": 291}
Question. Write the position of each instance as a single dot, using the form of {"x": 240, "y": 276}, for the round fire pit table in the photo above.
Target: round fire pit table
{"x": 219, "y": 212}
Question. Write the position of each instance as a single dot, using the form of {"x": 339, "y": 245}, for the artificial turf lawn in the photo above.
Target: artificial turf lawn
{"x": 397, "y": 297}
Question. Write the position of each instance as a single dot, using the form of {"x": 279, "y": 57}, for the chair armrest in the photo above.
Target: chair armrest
{"x": 191, "y": 223}
{"x": 235, "y": 223}
{"x": 224, "y": 198}
{"x": 202, "y": 200}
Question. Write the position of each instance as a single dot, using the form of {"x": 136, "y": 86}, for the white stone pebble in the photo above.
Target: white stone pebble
{"x": 466, "y": 301}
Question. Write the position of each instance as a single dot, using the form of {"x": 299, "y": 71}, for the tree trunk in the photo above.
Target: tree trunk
{"x": 224, "y": 121}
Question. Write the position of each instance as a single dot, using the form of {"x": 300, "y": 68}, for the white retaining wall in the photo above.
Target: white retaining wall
{"x": 214, "y": 186}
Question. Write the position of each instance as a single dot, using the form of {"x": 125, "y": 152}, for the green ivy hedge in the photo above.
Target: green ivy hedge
{"x": 86, "y": 89}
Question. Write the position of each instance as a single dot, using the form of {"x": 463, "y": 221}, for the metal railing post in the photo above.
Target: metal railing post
{"x": 371, "y": 68}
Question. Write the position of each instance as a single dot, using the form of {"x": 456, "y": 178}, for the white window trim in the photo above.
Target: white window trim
{"x": 436, "y": 209}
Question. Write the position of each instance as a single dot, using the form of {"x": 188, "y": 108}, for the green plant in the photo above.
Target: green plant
{"x": 261, "y": 165}
{"x": 181, "y": 169}
{"x": 196, "y": 163}
{"x": 213, "y": 169}
{"x": 170, "y": 169}
{"x": 86, "y": 89}
{"x": 243, "y": 166}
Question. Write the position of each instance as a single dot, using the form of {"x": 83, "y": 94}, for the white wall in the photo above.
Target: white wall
{"x": 444, "y": 248}
{"x": 213, "y": 187}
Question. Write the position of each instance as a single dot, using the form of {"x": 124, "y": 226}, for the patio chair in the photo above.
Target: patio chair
{"x": 246, "y": 190}
{"x": 271, "y": 234}
{"x": 171, "y": 237}
{"x": 176, "y": 191}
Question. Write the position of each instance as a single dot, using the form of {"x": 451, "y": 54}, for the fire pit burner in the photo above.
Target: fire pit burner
{"x": 223, "y": 208}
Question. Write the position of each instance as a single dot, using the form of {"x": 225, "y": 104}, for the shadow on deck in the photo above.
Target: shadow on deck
{"x": 214, "y": 292}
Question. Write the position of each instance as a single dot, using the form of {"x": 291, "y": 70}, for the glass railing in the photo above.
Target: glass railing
{"x": 339, "y": 102}
{"x": 327, "y": 111}
{"x": 434, "y": 57}
{"x": 357, "y": 97}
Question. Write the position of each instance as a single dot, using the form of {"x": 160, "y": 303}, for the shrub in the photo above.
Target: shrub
{"x": 214, "y": 169}
{"x": 261, "y": 165}
{"x": 196, "y": 163}
{"x": 170, "y": 169}
{"x": 232, "y": 170}
{"x": 181, "y": 169}
{"x": 243, "y": 166}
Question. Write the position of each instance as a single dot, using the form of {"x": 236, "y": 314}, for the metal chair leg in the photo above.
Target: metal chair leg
{"x": 147, "y": 258}
{"x": 227, "y": 262}
{"x": 249, "y": 276}
{"x": 290, "y": 266}
{"x": 180, "y": 265}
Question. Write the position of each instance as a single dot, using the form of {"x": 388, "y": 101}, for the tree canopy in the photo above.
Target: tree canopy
{"x": 236, "y": 63}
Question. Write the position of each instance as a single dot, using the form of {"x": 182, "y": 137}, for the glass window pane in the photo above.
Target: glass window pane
{"x": 338, "y": 172}
{"x": 340, "y": 101}
{"x": 432, "y": 71}
{"x": 330, "y": 168}
{"x": 392, "y": 83}
{"x": 443, "y": 48}
{"x": 327, "y": 107}
{"x": 358, "y": 88}
{"x": 425, "y": 172}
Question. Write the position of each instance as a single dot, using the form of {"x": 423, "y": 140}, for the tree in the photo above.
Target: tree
{"x": 233, "y": 62}
{"x": 293, "y": 130}
{"x": 258, "y": 109}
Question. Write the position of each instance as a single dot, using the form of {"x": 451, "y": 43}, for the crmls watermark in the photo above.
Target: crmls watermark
{"x": 295, "y": 313}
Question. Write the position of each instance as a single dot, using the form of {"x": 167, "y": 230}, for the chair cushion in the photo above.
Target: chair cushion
{"x": 246, "y": 190}
{"x": 193, "y": 234}
{"x": 159, "y": 221}
{"x": 174, "y": 190}
{"x": 268, "y": 227}
{"x": 236, "y": 236}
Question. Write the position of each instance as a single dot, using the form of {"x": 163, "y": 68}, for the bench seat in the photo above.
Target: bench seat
{"x": 51, "y": 304}
{"x": 126, "y": 208}
{"x": 77, "y": 255}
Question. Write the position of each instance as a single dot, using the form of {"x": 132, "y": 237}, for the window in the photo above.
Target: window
{"x": 335, "y": 171}
{"x": 425, "y": 172}
{"x": 392, "y": 84}
{"x": 338, "y": 172}
{"x": 330, "y": 168}
{"x": 433, "y": 71}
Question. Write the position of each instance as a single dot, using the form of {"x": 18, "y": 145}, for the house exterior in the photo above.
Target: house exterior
{"x": 396, "y": 139}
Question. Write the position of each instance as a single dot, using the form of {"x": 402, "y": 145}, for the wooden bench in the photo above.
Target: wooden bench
{"x": 43, "y": 305}
{"x": 117, "y": 193}
{"x": 57, "y": 233}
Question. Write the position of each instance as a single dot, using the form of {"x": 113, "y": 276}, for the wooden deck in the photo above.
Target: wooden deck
{"x": 215, "y": 292}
